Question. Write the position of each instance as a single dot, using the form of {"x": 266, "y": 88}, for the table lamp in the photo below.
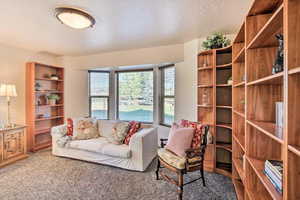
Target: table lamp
{"x": 8, "y": 91}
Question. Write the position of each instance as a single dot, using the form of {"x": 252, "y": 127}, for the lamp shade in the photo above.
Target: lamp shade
{"x": 7, "y": 90}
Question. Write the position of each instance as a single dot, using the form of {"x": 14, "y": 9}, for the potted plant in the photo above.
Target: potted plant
{"x": 54, "y": 77}
{"x": 217, "y": 40}
{"x": 53, "y": 98}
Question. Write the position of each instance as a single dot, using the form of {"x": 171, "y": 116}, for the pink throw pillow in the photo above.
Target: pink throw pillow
{"x": 180, "y": 140}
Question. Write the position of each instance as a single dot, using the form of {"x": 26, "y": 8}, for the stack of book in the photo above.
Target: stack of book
{"x": 273, "y": 170}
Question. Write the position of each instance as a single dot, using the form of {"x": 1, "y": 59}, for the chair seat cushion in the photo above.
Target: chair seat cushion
{"x": 174, "y": 160}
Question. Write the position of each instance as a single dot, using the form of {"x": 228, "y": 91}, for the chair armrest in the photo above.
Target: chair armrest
{"x": 143, "y": 146}
{"x": 191, "y": 153}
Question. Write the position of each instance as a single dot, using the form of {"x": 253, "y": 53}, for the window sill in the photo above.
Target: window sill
{"x": 165, "y": 125}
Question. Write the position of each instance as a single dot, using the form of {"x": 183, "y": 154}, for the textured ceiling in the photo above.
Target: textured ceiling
{"x": 121, "y": 24}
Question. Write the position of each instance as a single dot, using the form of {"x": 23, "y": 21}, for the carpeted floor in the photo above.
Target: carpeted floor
{"x": 45, "y": 177}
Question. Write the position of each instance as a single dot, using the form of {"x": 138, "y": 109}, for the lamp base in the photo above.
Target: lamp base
{"x": 10, "y": 125}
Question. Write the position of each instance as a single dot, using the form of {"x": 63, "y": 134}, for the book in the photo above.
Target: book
{"x": 276, "y": 166}
{"x": 278, "y": 189}
{"x": 275, "y": 179}
{"x": 279, "y": 119}
{"x": 279, "y": 114}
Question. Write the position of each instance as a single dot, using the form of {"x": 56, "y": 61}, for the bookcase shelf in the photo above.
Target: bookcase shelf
{"x": 258, "y": 166}
{"x": 240, "y": 56}
{"x": 213, "y": 85}
{"x": 269, "y": 129}
{"x": 265, "y": 37}
{"x": 238, "y": 164}
{"x": 239, "y": 188}
{"x": 294, "y": 71}
{"x": 294, "y": 149}
{"x": 227, "y": 147}
{"x": 275, "y": 79}
{"x": 256, "y": 90}
{"x": 41, "y": 116}
{"x": 205, "y": 68}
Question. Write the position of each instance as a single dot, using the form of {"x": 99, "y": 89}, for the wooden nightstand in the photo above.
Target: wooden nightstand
{"x": 12, "y": 145}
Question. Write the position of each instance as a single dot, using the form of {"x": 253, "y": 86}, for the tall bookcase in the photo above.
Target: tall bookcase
{"x": 41, "y": 116}
{"x": 215, "y": 106}
{"x": 256, "y": 137}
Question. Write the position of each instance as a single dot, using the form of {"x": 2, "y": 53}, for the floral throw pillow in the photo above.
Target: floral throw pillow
{"x": 70, "y": 127}
{"x": 119, "y": 133}
{"x": 196, "y": 142}
{"x": 84, "y": 129}
{"x": 134, "y": 127}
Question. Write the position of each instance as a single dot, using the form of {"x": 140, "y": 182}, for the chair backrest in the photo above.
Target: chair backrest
{"x": 204, "y": 140}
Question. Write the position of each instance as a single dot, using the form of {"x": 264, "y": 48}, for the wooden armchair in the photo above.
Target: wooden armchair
{"x": 193, "y": 161}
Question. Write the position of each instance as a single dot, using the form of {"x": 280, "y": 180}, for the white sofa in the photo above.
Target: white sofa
{"x": 135, "y": 156}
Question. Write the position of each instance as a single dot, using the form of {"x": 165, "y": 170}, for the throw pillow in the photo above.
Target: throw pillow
{"x": 70, "y": 127}
{"x": 198, "y": 128}
{"x": 134, "y": 127}
{"x": 106, "y": 127}
{"x": 85, "y": 128}
{"x": 180, "y": 140}
{"x": 119, "y": 133}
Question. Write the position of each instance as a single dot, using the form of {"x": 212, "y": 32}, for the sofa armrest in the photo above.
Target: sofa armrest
{"x": 143, "y": 146}
{"x": 59, "y": 131}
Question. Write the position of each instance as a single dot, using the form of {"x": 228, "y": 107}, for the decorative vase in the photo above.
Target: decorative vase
{"x": 205, "y": 98}
{"x": 52, "y": 102}
{"x": 278, "y": 65}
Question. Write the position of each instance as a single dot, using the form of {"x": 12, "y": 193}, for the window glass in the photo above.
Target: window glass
{"x": 135, "y": 96}
{"x": 99, "y": 94}
{"x": 99, "y": 84}
{"x": 168, "y": 95}
{"x": 99, "y": 108}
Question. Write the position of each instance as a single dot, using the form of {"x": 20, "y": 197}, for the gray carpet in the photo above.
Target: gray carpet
{"x": 43, "y": 176}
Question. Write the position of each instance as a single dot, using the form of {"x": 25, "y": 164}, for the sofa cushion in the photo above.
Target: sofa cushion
{"x": 105, "y": 127}
{"x": 101, "y": 145}
{"x": 120, "y": 151}
{"x": 84, "y": 129}
{"x": 119, "y": 133}
{"x": 92, "y": 145}
{"x": 134, "y": 128}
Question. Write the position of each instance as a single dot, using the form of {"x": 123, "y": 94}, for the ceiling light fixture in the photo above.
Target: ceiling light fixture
{"x": 74, "y": 18}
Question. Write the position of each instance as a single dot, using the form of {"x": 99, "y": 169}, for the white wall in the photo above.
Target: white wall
{"x": 12, "y": 70}
{"x": 154, "y": 55}
{"x": 186, "y": 83}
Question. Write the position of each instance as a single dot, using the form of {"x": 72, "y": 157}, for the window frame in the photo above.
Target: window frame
{"x": 163, "y": 96}
{"x": 99, "y": 96}
{"x": 117, "y": 72}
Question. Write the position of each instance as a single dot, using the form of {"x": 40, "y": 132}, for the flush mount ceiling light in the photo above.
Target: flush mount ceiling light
{"x": 74, "y": 18}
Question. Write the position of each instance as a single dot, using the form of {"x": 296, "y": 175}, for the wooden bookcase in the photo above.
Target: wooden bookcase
{"x": 40, "y": 115}
{"x": 256, "y": 137}
{"x": 215, "y": 106}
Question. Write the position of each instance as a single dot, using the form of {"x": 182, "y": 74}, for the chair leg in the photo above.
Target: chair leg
{"x": 180, "y": 185}
{"x": 202, "y": 176}
{"x": 157, "y": 169}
